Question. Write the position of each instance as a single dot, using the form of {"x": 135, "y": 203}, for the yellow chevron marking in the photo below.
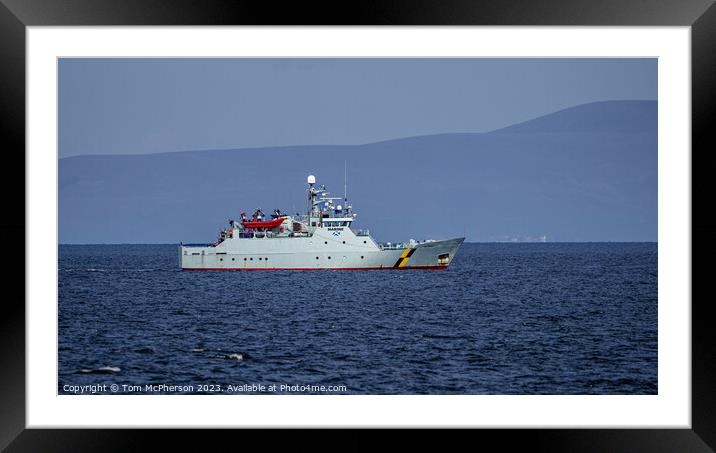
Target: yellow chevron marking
{"x": 404, "y": 257}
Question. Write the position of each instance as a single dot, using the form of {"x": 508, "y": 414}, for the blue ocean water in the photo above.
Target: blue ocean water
{"x": 548, "y": 318}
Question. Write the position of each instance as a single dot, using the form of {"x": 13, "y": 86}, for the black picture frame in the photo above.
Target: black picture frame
{"x": 16, "y": 15}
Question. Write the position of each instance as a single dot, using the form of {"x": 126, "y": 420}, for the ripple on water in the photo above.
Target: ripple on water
{"x": 504, "y": 319}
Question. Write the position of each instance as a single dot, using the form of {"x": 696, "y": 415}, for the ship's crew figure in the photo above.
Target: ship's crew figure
{"x": 243, "y": 216}
{"x": 258, "y": 215}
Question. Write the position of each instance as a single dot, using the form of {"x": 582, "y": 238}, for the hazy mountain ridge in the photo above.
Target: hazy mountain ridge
{"x": 584, "y": 173}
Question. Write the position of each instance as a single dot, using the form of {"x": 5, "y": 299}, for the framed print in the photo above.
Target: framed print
{"x": 516, "y": 185}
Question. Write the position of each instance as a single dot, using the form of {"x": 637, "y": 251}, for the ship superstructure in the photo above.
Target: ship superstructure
{"x": 322, "y": 238}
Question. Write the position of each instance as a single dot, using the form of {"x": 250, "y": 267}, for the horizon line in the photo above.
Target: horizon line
{"x": 466, "y": 242}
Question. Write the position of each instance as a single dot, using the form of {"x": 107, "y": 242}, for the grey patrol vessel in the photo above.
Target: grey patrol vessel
{"x": 320, "y": 239}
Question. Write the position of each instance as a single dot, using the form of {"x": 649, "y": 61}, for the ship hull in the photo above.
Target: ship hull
{"x": 315, "y": 254}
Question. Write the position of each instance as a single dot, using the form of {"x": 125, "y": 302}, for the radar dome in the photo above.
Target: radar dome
{"x": 311, "y": 179}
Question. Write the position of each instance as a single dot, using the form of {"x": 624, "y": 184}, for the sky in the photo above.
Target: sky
{"x": 139, "y": 106}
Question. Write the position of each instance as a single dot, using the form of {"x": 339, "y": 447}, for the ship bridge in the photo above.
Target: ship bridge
{"x": 337, "y": 222}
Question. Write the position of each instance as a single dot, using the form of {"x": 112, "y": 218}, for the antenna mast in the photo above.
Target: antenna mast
{"x": 311, "y": 180}
{"x": 345, "y": 181}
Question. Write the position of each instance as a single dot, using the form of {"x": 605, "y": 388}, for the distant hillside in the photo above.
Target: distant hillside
{"x": 587, "y": 173}
{"x": 608, "y": 117}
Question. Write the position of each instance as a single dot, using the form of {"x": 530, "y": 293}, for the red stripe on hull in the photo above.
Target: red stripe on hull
{"x": 312, "y": 268}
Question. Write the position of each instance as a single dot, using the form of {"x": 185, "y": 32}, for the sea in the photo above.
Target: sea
{"x": 504, "y": 319}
